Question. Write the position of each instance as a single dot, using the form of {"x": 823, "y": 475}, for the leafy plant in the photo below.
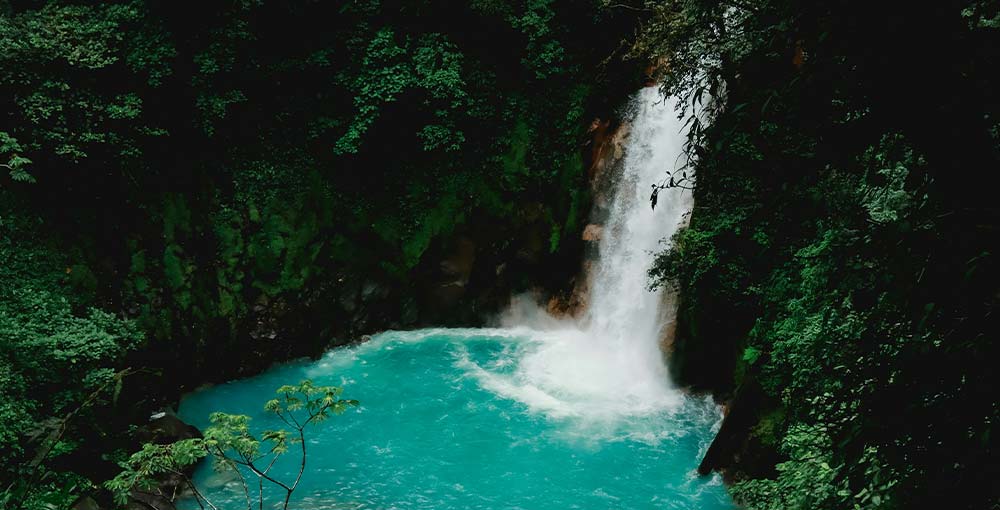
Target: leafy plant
{"x": 234, "y": 448}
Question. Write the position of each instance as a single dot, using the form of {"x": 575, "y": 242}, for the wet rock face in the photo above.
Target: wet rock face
{"x": 745, "y": 448}
{"x": 600, "y": 132}
{"x": 607, "y": 148}
{"x": 165, "y": 428}
{"x": 654, "y": 70}
{"x": 671, "y": 298}
{"x": 85, "y": 503}
{"x": 163, "y": 497}
{"x": 592, "y": 233}
{"x": 455, "y": 270}
{"x": 574, "y": 304}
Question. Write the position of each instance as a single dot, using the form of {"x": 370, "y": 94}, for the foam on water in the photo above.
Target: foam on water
{"x": 609, "y": 364}
{"x": 443, "y": 425}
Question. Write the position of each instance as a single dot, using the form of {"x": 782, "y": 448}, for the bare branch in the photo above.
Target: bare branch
{"x": 629, "y": 7}
{"x": 261, "y": 474}
{"x": 197, "y": 494}
{"x": 302, "y": 467}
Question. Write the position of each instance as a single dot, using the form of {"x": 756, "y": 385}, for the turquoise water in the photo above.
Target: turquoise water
{"x": 456, "y": 419}
{"x": 567, "y": 414}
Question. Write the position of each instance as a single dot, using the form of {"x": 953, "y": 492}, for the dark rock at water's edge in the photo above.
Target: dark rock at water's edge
{"x": 85, "y": 503}
{"x": 746, "y": 445}
{"x": 705, "y": 355}
{"x": 163, "y": 427}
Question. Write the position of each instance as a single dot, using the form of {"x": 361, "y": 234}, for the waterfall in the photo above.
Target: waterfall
{"x": 608, "y": 365}
{"x": 623, "y": 313}
{"x": 543, "y": 413}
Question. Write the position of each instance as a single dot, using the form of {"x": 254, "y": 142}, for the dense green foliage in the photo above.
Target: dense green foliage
{"x": 839, "y": 273}
{"x": 59, "y": 364}
{"x": 179, "y": 186}
{"x": 190, "y": 195}
{"x": 251, "y": 151}
{"x": 235, "y": 449}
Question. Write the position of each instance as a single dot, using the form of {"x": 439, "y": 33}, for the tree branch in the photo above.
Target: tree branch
{"x": 629, "y": 7}
{"x": 197, "y": 494}
{"x": 302, "y": 467}
{"x": 243, "y": 482}
{"x": 261, "y": 474}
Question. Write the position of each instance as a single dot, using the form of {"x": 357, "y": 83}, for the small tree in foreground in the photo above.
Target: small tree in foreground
{"x": 234, "y": 448}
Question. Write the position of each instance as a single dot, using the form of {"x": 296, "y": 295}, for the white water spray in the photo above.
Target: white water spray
{"x": 624, "y": 314}
{"x": 608, "y": 365}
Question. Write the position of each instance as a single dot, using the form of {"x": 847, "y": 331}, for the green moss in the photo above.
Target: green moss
{"x": 514, "y": 160}
{"x": 770, "y": 428}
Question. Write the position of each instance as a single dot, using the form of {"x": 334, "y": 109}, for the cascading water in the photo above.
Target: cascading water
{"x": 540, "y": 414}
{"x": 609, "y": 365}
{"x": 623, "y": 311}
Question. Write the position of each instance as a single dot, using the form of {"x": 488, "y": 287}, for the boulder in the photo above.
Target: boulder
{"x": 592, "y": 232}
{"x": 574, "y": 303}
{"x": 741, "y": 449}
{"x": 454, "y": 271}
{"x": 165, "y": 427}
{"x": 85, "y": 503}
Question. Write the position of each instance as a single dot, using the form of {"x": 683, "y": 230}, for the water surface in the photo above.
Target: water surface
{"x": 450, "y": 419}
{"x": 545, "y": 414}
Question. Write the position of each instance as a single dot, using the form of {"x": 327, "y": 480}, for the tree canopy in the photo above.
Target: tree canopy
{"x": 838, "y": 276}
